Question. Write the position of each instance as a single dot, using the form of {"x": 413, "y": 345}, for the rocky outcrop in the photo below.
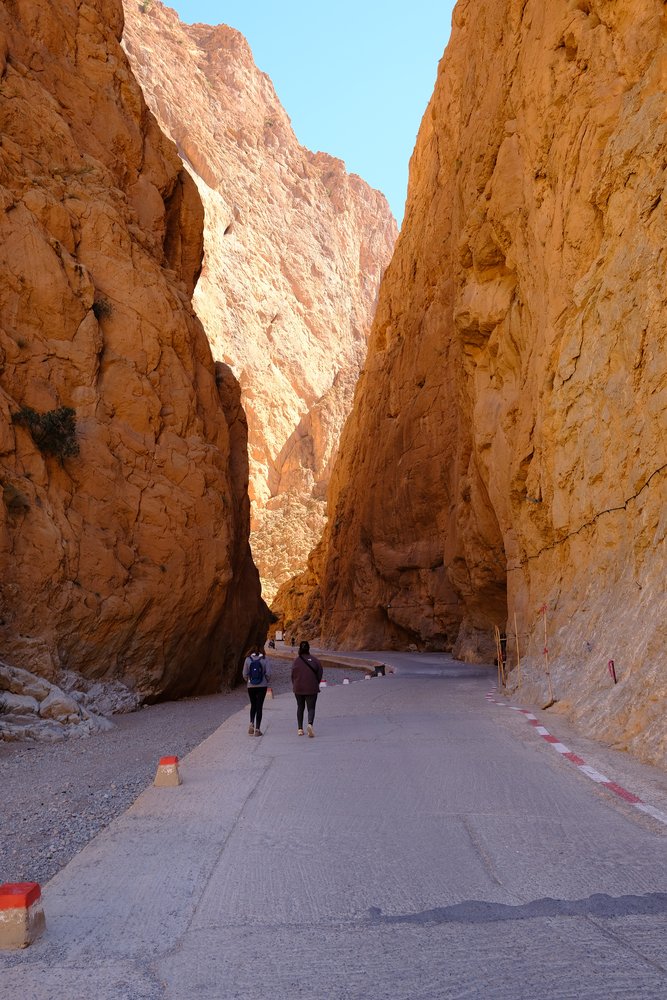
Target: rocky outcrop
{"x": 123, "y": 529}
{"x": 295, "y": 248}
{"x": 507, "y": 452}
{"x": 31, "y": 708}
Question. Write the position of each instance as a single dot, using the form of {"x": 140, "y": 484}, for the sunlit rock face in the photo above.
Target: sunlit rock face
{"x": 294, "y": 251}
{"x": 507, "y": 450}
{"x": 124, "y": 548}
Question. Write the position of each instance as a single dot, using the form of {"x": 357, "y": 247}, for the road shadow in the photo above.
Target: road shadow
{"x": 479, "y": 912}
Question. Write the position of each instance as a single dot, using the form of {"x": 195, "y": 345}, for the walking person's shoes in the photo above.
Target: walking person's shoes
{"x": 311, "y": 731}
{"x": 299, "y": 732}
{"x": 258, "y": 732}
{"x": 251, "y": 730}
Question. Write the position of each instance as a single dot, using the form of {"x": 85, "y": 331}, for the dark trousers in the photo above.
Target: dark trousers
{"x": 257, "y": 696}
{"x": 301, "y": 701}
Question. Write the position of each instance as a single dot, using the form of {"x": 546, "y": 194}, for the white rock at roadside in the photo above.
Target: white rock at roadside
{"x": 57, "y": 705}
{"x": 33, "y": 709}
{"x": 19, "y": 704}
{"x": 99, "y": 697}
{"x": 22, "y": 682}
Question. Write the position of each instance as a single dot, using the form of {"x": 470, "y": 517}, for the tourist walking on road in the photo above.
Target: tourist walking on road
{"x": 257, "y": 673}
{"x": 306, "y": 677}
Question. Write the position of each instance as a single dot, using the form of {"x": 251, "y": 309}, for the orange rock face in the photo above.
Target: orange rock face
{"x": 125, "y": 553}
{"x": 295, "y": 248}
{"x": 507, "y": 451}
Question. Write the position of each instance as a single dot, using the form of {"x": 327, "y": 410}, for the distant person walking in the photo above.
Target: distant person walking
{"x": 257, "y": 674}
{"x": 306, "y": 677}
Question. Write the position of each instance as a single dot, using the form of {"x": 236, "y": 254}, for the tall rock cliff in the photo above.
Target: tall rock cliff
{"x": 123, "y": 524}
{"x": 294, "y": 251}
{"x": 507, "y": 451}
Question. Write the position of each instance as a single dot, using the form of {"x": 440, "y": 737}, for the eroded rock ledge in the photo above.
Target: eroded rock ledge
{"x": 507, "y": 452}
{"x": 127, "y": 557}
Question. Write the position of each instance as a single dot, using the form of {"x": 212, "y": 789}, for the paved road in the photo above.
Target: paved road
{"x": 425, "y": 845}
{"x": 425, "y": 664}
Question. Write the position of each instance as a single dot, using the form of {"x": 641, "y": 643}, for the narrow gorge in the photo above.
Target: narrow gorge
{"x": 505, "y": 463}
{"x": 186, "y": 300}
{"x": 130, "y": 474}
{"x": 294, "y": 251}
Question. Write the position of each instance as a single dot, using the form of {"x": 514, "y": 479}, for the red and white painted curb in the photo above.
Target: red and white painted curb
{"x": 590, "y": 772}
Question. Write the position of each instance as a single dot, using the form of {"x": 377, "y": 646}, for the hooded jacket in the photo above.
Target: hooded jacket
{"x": 306, "y": 679}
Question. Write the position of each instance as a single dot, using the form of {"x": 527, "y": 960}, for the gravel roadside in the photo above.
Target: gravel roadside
{"x": 58, "y": 796}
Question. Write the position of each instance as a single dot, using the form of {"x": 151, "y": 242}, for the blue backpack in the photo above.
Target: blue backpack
{"x": 256, "y": 670}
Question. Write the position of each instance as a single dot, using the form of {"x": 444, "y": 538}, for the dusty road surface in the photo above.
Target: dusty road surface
{"x": 425, "y": 845}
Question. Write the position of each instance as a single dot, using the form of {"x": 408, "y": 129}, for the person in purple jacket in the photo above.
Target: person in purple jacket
{"x": 306, "y": 677}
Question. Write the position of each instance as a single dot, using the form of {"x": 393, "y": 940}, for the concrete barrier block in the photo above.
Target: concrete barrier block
{"x": 21, "y": 914}
{"x": 167, "y": 775}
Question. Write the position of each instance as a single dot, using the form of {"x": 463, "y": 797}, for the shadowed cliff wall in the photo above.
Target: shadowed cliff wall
{"x": 127, "y": 559}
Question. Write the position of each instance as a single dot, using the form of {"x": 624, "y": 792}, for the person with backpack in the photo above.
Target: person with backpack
{"x": 306, "y": 676}
{"x": 257, "y": 674}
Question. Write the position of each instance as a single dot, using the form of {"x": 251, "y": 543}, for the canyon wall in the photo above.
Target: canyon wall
{"x": 506, "y": 457}
{"x": 124, "y": 518}
{"x": 294, "y": 251}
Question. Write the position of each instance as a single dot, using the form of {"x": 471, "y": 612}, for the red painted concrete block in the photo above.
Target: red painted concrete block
{"x": 21, "y": 914}
{"x": 167, "y": 775}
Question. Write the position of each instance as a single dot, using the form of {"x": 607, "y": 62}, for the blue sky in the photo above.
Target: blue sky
{"x": 354, "y": 77}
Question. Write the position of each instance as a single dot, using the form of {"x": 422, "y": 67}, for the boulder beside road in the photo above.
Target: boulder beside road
{"x": 32, "y": 708}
